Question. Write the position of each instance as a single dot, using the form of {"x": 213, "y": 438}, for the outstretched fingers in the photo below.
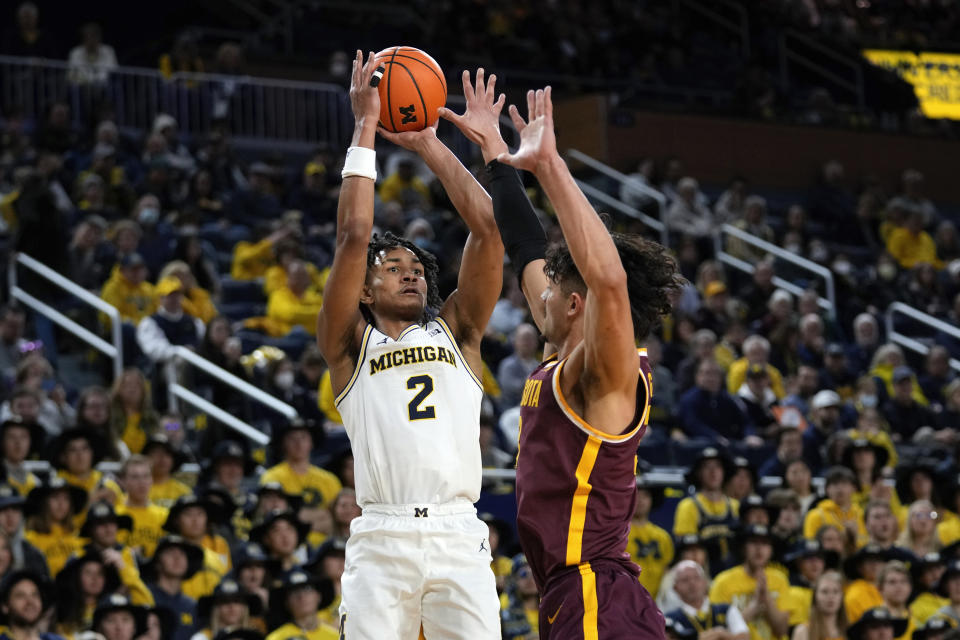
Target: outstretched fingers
{"x": 467, "y": 85}
{"x": 517, "y": 119}
{"x": 480, "y": 88}
{"x": 531, "y": 105}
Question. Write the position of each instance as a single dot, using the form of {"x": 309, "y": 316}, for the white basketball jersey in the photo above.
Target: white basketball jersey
{"x": 412, "y": 411}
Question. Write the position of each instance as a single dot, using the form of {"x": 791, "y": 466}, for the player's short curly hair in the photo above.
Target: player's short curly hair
{"x": 652, "y": 275}
{"x": 431, "y": 270}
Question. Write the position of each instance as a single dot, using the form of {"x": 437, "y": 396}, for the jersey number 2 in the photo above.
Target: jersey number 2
{"x": 416, "y": 411}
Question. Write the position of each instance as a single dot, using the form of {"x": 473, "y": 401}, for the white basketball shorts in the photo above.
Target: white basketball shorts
{"x": 413, "y": 564}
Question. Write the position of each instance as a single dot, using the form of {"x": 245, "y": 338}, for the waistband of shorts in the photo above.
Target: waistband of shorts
{"x": 597, "y": 564}
{"x": 425, "y": 510}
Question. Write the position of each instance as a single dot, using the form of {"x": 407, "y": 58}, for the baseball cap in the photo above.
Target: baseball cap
{"x": 902, "y": 373}
{"x": 169, "y": 285}
{"x": 314, "y": 168}
{"x": 825, "y": 398}
{"x": 715, "y": 288}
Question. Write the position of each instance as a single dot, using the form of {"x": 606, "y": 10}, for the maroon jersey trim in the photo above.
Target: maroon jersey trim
{"x": 585, "y": 426}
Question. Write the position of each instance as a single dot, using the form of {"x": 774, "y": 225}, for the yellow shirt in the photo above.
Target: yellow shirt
{"x": 687, "y": 517}
{"x": 331, "y": 615}
{"x": 134, "y": 302}
{"x": 910, "y": 250}
{"x": 925, "y": 605}
{"x": 276, "y": 278}
{"x": 911, "y": 623}
{"x": 651, "y": 547}
{"x": 393, "y": 187}
{"x": 885, "y": 373}
{"x": 738, "y": 374}
{"x": 30, "y": 481}
{"x": 735, "y": 586}
{"x": 286, "y": 310}
{"x": 317, "y": 486}
{"x": 198, "y": 304}
{"x": 881, "y": 439}
{"x": 801, "y": 599}
{"x": 290, "y": 630}
{"x": 147, "y": 527}
{"x": 133, "y": 436}
{"x": 860, "y": 596}
{"x": 93, "y": 481}
{"x": 167, "y": 492}
{"x": 219, "y": 546}
{"x": 57, "y": 546}
{"x": 206, "y": 580}
{"x": 948, "y": 530}
{"x": 829, "y": 512}
{"x": 251, "y": 261}
{"x": 326, "y": 399}
{"x": 130, "y": 577}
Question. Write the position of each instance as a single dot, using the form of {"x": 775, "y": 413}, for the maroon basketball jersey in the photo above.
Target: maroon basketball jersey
{"x": 576, "y": 486}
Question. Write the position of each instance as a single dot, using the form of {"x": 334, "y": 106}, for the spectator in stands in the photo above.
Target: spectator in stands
{"x": 223, "y": 349}
{"x": 830, "y": 200}
{"x": 24, "y": 554}
{"x": 937, "y": 375}
{"x": 926, "y": 572}
{"x": 824, "y": 422}
{"x": 756, "y": 350}
{"x": 650, "y": 546}
{"x": 197, "y": 302}
{"x": 919, "y": 536}
{"x": 25, "y": 598}
{"x": 827, "y": 618}
{"x": 838, "y": 509}
{"x": 757, "y": 294}
{"x": 758, "y": 400}
{"x": 711, "y": 415}
{"x": 12, "y": 323}
{"x": 287, "y": 252}
{"x": 300, "y": 598}
{"x": 787, "y": 523}
{"x": 175, "y": 561}
{"x": 27, "y": 38}
{"x": 296, "y": 305}
{"x": 251, "y": 260}
{"x": 912, "y": 198}
{"x": 761, "y": 586}
{"x": 491, "y": 456}
{"x": 902, "y": 411}
{"x": 730, "y": 205}
{"x": 835, "y": 374}
{"x": 92, "y": 61}
{"x": 31, "y": 401}
{"x": 132, "y": 415}
{"x": 191, "y": 517}
{"x": 283, "y": 537}
{"x": 169, "y": 327}
{"x": 947, "y": 241}
{"x": 754, "y": 222}
{"x": 183, "y": 58}
{"x": 862, "y": 569}
{"x": 633, "y": 193}
{"x": 697, "y": 613}
{"x": 128, "y": 290}
{"x": 51, "y": 526}
{"x": 405, "y": 187}
{"x": 687, "y": 214}
{"x": 910, "y": 245}
{"x": 708, "y": 512}
{"x": 806, "y": 384}
{"x": 84, "y": 580}
{"x": 117, "y": 618}
{"x": 344, "y": 510}
{"x": 86, "y": 253}
{"x": 165, "y": 458}
{"x": 18, "y": 440}
{"x": 866, "y": 339}
{"x": 949, "y": 418}
{"x": 713, "y": 313}
{"x": 101, "y": 528}
{"x": 75, "y": 454}
{"x": 810, "y": 349}
{"x": 924, "y": 290}
{"x": 251, "y": 206}
{"x": 520, "y": 602}
{"x": 229, "y": 607}
{"x": 702, "y": 347}
{"x": 148, "y": 518}
{"x": 93, "y": 414}
{"x": 881, "y": 525}
{"x": 798, "y": 478}
{"x": 294, "y": 441}
{"x": 789, "y": 443}
{"x": 313, "y": 198}
{"x": 515, "y": 368}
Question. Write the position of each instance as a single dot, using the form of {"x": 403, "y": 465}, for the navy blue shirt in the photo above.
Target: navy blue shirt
{"x": 184, "y": 611}
{"x": 713, "y": 415}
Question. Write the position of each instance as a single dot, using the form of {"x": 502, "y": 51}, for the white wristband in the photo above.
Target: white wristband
{"x": 360, "y": 161}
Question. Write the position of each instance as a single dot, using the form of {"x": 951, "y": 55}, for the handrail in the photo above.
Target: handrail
{"x": 177, "y": 392}
{"x": 661, "y": 200}
{"x": 742, "y": 28}
{"x": 114, "y": 350}
{"x": 925, "y": 318}
{"x": 829, "y": 303}
{"x": 856, "y": 86}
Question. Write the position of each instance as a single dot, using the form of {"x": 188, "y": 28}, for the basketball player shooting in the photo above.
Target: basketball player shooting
{"x": 405, "y": 369}
{"x": 584, "y": 411}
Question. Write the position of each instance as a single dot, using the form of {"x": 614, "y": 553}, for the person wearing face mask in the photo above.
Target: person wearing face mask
{"x": 159, "y": 333}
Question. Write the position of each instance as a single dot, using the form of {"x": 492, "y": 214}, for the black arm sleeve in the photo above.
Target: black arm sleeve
{"x": 523, "y": 237}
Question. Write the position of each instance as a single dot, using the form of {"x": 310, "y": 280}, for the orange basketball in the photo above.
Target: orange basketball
{"x": 411, "y": 90}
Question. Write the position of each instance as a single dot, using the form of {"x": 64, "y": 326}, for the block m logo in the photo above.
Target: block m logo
{"x": 419, "y": 513}
{"x": 408, "y": 114}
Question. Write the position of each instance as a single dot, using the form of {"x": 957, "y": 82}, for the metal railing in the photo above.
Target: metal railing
{"x": 176, "y": 392}
{"x": 623, "y": 179}
{"x": 924, "y": 318}
{"x": 829, "y": 303}
{"x": 739, "y": 25}
{"x": 792, "y": 45}
{"x": 112, "y": 350}
{"x": 278, "y": 112}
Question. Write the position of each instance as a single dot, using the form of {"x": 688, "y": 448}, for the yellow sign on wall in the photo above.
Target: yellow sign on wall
{"x": 935, "y": 78}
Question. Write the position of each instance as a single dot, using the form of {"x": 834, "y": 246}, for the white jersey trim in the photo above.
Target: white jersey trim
{"x": 356, "y": 370}
{"x": 446, "y": 330}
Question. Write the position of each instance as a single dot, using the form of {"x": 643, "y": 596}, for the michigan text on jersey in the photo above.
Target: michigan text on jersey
{"x": 411, "y": 355}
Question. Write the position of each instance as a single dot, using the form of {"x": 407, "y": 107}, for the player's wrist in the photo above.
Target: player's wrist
{"x": 550, "y": 167}
{"x": 491, "y": 149}
{"x": 364, "y": 132}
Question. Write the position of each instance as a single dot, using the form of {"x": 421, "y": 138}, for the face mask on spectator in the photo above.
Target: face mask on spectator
{"x": 869, "y": 401}
{"x": 284, "y": 380}
{"x": 148, "y": 215}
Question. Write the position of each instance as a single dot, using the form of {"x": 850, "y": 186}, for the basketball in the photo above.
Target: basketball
{"x": 411, "y": 90}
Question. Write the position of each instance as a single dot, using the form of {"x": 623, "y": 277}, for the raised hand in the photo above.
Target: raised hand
{"x": 538, "y": 144}
{"x": 480, "y": 123}
{"x": 414, "y": 141}
{"x": 364, "y": 99}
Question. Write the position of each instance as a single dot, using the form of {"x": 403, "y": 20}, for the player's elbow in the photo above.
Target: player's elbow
{"x": 608, "y": 279}
{"x": 353, "y": 234}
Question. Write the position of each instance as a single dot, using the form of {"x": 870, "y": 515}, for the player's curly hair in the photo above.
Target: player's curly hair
{"x": 652, "y": 275}
{"x": 431, "y": 270}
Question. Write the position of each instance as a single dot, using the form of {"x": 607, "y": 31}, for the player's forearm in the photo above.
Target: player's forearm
{"x": 591, "y": 246}
{"x": 355, "y": 208}
{"x": 468, "y": 197}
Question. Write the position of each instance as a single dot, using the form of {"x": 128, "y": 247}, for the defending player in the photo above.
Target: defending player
{"x": 406, "y": 384}
{"x": 584, "y": 412}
